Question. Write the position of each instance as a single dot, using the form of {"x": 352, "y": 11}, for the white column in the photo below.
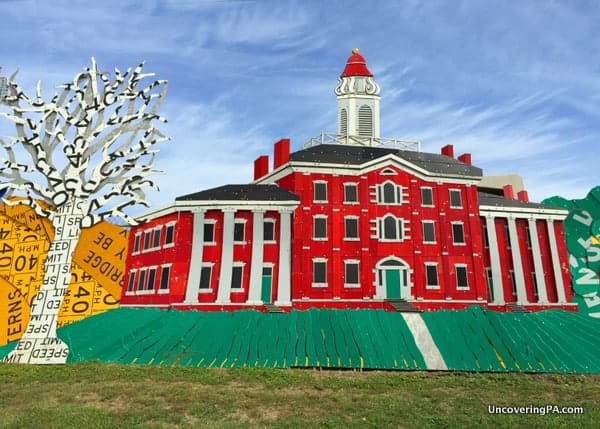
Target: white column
{"x": 193, "y": 279}
{"x": 490, "y": 226}
{"x": 284, "y": 292}
{"x": 224, "y": 291}
{"x": 515, "y": 251}
{"x": 537, "y": 262}
{"x": 560, "y": 287}
{"x": 256, "y": 264}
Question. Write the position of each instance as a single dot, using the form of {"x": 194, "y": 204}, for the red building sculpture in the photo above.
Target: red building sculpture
{"x": 352, "y": 220}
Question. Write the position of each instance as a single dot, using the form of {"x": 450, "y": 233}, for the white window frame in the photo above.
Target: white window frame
{"x": 314, "y": 228}
{"x": 167, "y": 226}
{"x": 462, "y": 225}
{"x": 456, "y": 266}
{"x": 149, "y": 235}
{"x": 274, "y": 222}
{"x": 155, "y": 230}
{"x": 355, "y": 186}
{"x": 240, "y": 221}
{"x": 355, "y": 218}
{"x": 141, "y": 289}
{"x": 431, "y": 192}
{"x": 206, "y": 265}
{"x": 131, "y": 282}
{"x": 237, "y": 264}
{"x": 432, "y": 223}
{"x": 320, "y": 182}
{"x": 400, "y": 236}
{"x": 437, "y": 275}
{"x": 162, "y": 267}
{"x": 352, "y": 262}
{"x": 387, "y": 171}
{"x": 398, "y": 193}
{"x": 319, "y": 285}
{"x": 212, "y": 222}
{"x": 155, "y": 269}
{"x": 450, "y": 192}
{"x": 137, "y": 238}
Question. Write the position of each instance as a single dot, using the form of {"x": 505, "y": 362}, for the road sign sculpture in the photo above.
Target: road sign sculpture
{"x": 78, "y": 159}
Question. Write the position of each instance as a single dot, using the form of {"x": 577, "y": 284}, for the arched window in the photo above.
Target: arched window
{"x": 389, "y": 193}
{"x": 343, "y": 122}
{"x": 365, "y": 121}
{"x": 390, "y": 228}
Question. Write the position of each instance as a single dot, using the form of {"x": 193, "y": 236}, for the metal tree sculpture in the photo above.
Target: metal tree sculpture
{"x": 88, "y": 153}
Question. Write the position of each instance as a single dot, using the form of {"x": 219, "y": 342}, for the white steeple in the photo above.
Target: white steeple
{"x": 358, "y": 100}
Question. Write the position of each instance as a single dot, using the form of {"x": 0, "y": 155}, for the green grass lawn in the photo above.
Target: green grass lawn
{"x": 95, "y": 395}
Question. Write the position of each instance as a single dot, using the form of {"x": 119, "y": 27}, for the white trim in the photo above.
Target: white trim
{"x": 238, "y": 264}
{"x": 206, "y": 265}
{"x": 490, "y": 225}
{"x": 273, "y": 221}
{"x": 138, "y": 237}
{"x": 450, "y": 191}
{"x": 357, "y": 219}
{"x": 437, "y": 276}
{"x": 353, "y": 262}
{"x": 167, "y": 226}
{"x": 421, "y": 196}
{"x": 224, "y": 288}
{"x": 132, "y": 291}
{"x": 537, "y": 262}
{"x": 212, "y": 222}
{"x": 314, "y": 189}
{"x": 319, "y": 285}
{"x": 162, "y": 267}
{"x": 465, "y": 266}
{"x": 454, "y": 242}
{"x": 515, "y": 251}
{"x": 285, "y": 255}
{"x": 257, "y": 255}
{"x": 314, "y": 228}
{"x": 193, "y": 281}
{"x": 432, "y": 223}
{"x": 558, "y": 280}
{"x": 355, "y": 185}
{"x": 535, "y": 212}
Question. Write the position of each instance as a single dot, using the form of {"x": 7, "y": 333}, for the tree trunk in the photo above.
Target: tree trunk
{"x": 39, "y": 344}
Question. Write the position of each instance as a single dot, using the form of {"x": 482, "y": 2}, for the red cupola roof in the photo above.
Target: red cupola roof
{"x": 356, "y": 65}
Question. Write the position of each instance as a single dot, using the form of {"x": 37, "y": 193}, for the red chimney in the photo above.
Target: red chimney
{"x": 261, "y": 166}
{"x": 282, "y": 153}
{"x": 523, "y": 196}
{"x": 508, "y": 192}
{"x": 448, "y": 150}
{"x": 466, "y": 158}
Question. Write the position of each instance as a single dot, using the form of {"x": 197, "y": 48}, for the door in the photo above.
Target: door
{"x": 267, "y": 277}
{"x": 392, "y": 284}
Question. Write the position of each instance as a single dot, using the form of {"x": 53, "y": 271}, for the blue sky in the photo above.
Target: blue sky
{"x": 517, "y": 84}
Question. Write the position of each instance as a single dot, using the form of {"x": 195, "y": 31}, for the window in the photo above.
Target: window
{"x": 365, "y": 121}
{"x": 428, "y": 231}
{"x": 209, "y": 232}
{"x": 351, "y": 274}
{"x": 388, "y": 172}
{"x": 350, "y": 193}
{"x": 236, "y": 277}
{"x": 142, "y": 280}
{"x": 170, "y": 231}
{"x": 461, "y": 277}
{"x": 238, "y": 231}
{"x": 350, "y": 228}
{"x": 151, "y": 278}
{"x": 136, "y": 242}
{"x": 490, "y": 282}
{"x": 486, "y": 239}
{"x": 165, "y": 273}
{"x": 269, "y": 230}
{"x": 426, "y": 197}
{"x": 527, "y": 237}
{"x": 156, "y": 238}
{"x": 458, "y": 234}
{"x": 320, "y": 192}
{"x": 131, "y": 282}
{"x": 320, "y": 272}
{"x": 205, "y": 277}
{"x": 343, "y": 122}
{"x": 431, "y": 275}
{"x": 507, "y": 234}
{"x": 389, "y": 193}
{"x": 455, "y": 200}
{"x": 534, "y": 283}
{"x": 513, "y": 281}
{"x": 390, "y": 228}
{"x": 320, "y": 228}
{"x": 147, "y": 239}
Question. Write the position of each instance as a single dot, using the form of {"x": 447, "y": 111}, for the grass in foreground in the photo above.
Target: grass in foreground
{"x": 118, "y": 396}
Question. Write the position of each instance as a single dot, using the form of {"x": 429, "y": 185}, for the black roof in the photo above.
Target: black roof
{"x": 488, "y": 199}
{"x": 249, "y": 192}
{"x": 357, "y": 155}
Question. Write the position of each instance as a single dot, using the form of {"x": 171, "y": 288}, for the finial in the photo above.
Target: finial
{"x": 355, "y": 51}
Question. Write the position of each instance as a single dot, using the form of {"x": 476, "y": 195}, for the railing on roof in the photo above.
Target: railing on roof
{"x": 330, "y": 138}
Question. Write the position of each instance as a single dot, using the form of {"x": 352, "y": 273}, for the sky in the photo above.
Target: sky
{"x": 516, "y": 84}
